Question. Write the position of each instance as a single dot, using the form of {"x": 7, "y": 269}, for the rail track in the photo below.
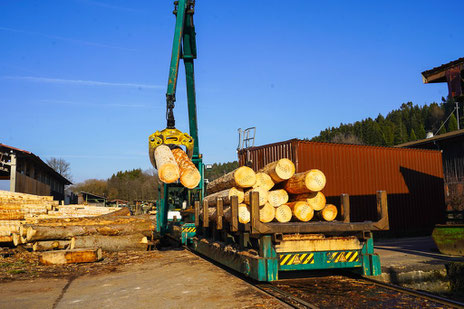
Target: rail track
{"x": 341, "y": 291}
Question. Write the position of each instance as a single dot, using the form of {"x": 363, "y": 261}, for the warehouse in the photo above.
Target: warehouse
{"x": 27, "y": 173}
{"x": 412, "y": 178}
{"x": 452, "y": 147}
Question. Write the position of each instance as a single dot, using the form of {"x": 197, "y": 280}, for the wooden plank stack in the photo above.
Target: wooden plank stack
{"x": 283, "y": 195}
{"x": 40, "y": 223}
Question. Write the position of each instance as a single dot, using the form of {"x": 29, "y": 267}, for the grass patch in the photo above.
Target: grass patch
{"x": 16, "y": 271}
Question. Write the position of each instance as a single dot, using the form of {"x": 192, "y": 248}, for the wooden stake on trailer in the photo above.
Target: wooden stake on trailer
{"x": 219, "y": 213}
{"x": 345, "y": 207}
{"x": 205, "y": 214}
{"x": 197, "y": 213}
{"x": 255, "y": 222}
{"x": 234, "y": 214}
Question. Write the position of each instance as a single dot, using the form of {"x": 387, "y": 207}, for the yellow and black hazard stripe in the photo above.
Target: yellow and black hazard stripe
{"x": 189, "y": 230}
{"x": 338, "y": 257}
{"x": 296, "y": 258}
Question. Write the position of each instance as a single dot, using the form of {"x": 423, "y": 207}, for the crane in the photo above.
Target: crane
{"x": 172, "y": 196}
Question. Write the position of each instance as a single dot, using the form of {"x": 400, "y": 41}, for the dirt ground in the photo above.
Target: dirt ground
{"x": 154, "y": 279}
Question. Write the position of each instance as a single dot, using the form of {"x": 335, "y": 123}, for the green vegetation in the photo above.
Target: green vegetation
{"x": 126, "y": 185}
{"x": 219, "y": 169}
{"x": 408, "y": 123}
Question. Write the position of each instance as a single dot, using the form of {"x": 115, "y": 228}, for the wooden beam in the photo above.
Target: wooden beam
{"x": 234, "y": 214}
{"x": 205, "y": 214}
{"x": 197, "y": 213}
{"x": 345, "y": 207}
{"x": 219, "y": 213}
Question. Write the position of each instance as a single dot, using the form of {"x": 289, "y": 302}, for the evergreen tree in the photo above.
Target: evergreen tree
{"x": 452, "y": 123}
{"x": 412, "y": 136}
{"x": 442, "y": 129}
{"x": 421, "y": 132}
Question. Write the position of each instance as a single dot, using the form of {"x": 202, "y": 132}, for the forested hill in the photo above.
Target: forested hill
{"x": 409, "y": 123}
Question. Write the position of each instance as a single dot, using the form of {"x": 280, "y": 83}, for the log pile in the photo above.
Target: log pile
{"x": 283, "y": 195}
{"x": 71, "y": 233}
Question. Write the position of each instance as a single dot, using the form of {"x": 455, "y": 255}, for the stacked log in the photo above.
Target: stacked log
{"x": 68, "y": 227}
{"x": 283, "y": 195}
{"x": 242, "y": 177}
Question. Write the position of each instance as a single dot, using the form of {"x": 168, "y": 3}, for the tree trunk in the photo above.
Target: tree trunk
{"x": 189, "y": 175}
{"x": 50, "y": 245}
{"x": 242, "y": 177}
{"x": 226, "y": 196}
{"x": 283, "y": 213}
{"x": 301, "y": 210}
{"x": 37, "y": 232}
{"x": 315, "y": 199}
{"x": 263, "y": 196}
{"x": 264, "y": 181}
{"x": 309, "y": 181}
{"x": 329, "y": 213}
{"x": 267, "y": 213}
{"x": 279, "y": 170}
{"x": 70, "y": 256}
{"x": 99, "y": 220}
{"x": 168, "y": 170}
{"x": 278, "y": 197}
{"x": 136, "y": 242}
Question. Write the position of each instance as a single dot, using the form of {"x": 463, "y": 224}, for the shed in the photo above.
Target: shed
{"x": 29, "y": 174}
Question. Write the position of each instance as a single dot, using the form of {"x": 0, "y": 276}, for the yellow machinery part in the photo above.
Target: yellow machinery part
{"x": 169, "y": 137}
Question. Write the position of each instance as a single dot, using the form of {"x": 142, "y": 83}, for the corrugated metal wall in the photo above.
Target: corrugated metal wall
{"x": 413, "y": 178}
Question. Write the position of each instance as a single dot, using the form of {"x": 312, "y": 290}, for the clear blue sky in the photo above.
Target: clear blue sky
{"x": 85, "y": 80}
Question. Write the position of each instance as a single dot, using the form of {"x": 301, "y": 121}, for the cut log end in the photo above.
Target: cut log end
{"x": 302, "y": 210}
{"x": 244, "y": 177}
{"x": 168, "y": 173}
{"x": 238, "y": 192}
{"x": 168, "y": 170}
{"x": 264, "y": 181}
{"x": 284, "y": 169}
{"x": 263, "y": 196}
{"x": 283, "y": 213}
{"x": 190, "y": 178}
{"x": 329, "y": 213}
{"x": 267, "y": 213}
{"x": 315, "y": 180}
{"x": 278, "y": 197}
{"x": 243, "y": 213}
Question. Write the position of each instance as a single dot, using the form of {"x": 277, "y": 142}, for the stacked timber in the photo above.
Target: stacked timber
{"x": 70, "y": 227}
{"x": 283, "y": 195}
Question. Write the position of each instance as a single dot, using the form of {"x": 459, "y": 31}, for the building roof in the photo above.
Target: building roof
{"x": 438, "y": 74}
{"x": 433, "y": 139}
{"x": 92, "y": 195}
{"x": 39, "y": 162}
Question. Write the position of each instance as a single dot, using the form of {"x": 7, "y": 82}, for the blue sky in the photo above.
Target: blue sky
{"x": 86, "y": 80}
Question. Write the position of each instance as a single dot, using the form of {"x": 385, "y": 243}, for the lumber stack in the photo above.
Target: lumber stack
{"x": 283, "y": 195}
{"x": 46, "y": 226}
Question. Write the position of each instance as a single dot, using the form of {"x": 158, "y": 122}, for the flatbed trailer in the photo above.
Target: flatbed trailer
{"x": 262, "y": 250}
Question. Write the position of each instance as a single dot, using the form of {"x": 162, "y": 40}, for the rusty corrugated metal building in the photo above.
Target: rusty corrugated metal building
{"x": 413, "y": 178}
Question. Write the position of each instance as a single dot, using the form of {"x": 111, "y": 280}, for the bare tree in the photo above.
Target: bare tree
{"x": 61, "y": 166}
